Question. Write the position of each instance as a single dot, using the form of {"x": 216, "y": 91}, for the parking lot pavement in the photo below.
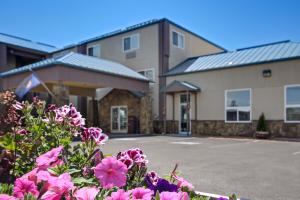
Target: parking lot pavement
{"x": 253, "y": 169}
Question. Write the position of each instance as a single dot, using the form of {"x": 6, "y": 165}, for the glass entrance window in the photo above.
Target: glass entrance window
{"x": 184, "y": 113}
{"x": 119, "y": 119}
{"x": 292, "y": 103}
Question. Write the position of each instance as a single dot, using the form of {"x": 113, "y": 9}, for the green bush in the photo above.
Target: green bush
{"x": 262, "y": 125}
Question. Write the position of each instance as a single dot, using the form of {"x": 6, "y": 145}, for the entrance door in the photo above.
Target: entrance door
{"x": 119, "y": 119}
{"x": 184, "y": 125}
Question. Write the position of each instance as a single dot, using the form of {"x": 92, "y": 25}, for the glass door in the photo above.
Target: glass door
{"x": 184, "y": 125}
{"x": 119, "y": 119}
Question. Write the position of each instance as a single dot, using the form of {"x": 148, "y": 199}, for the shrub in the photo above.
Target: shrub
{"x": 261, "y": 124}
{"x": 46, "y": 166}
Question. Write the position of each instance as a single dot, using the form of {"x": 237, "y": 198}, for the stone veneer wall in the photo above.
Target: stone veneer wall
{"x": 172, "y": 126}
{"x": 117, "y": 98}
{"x": 277, "y": 128}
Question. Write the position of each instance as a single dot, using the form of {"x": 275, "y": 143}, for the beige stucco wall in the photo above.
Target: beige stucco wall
{"x": 146, "y": 55}
{"x": 267, "y": 93}
{"x": 62, "y": 52}
{"x": 194, "y": 46}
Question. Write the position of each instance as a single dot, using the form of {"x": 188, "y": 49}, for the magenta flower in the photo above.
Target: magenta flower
{"x": 70, "y": 114}
{"x": 6, "y": 197}
{"x": 118, "y": 195}
{"x": 22, "y": 132}
{"x": 23, "y": 186}
{"x": 86, "y": 193}
{"x": 58, "y": 187}
{"x": 141, "y": 193}
{"x": 94, "y": 133}
{"x": 111, "y": 172}
{"x": 46, "y": 159}
{"x": 132, "y": 156}
{"x": 174, "y": 196}
{"x": 184, "y": 183}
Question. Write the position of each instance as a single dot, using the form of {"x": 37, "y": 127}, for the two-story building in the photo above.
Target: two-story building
{"x": 195, "y": 86}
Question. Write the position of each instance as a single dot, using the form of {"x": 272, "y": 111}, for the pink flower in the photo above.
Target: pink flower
{"x": 86, "y": 193}
{"x": 184, "y": 183}
{"x": 58, "y": 187}
{"x": 6, "y": 197}
{"x": 23, "y": 186}
{"x": 118, "y": 195}
{"x": 111, "y": 172}
{"x": 141, "y": 193}
{"x": 18, "y": 105}
{"x": 94, "y": 133}
{"x": 22, "y": 132}
{"x": 174, "y": 196}
{"x": 31, "y": 175}
{"x": 45, "y": 160}
{"x": 132, "y": 156}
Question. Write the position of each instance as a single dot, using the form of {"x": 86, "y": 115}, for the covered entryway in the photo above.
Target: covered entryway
{"x": 182, "y": 95}
{"x": 80, "y": 75}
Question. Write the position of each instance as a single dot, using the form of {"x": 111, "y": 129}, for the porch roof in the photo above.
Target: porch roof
{"x": 181, "y": 86}
{"x": 80, "y": 71}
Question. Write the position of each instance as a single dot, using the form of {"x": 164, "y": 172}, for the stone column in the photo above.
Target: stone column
{"x": 61, "y": 93}
{"x": 146, "y": 122}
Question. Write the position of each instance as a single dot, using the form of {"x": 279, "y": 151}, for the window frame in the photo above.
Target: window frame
{"x": 131, "y": 36}
{"x": 238, "y": 108}
{"x": 148, "y": 69}
{"x": 93, "y": 46}
{"x": 183, "y": 37}
{"x": 289, "y": 106}
{"x": 111, "y": 120}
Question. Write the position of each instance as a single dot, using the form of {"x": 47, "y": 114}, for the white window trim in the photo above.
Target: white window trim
{"x": 111, "y": 117}
{"x": 226, "y": 107}
{"x": 182, "y": 37}
{"x": 130, "y": 36}
{"x": 147, "y": 69}
{"x": 289, "y": 106}
{"x": 92, "y": 46}
{"x": 190, "y": 113}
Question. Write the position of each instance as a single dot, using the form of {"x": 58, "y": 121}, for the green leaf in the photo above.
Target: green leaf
{"x": 7, "y": 142}
{"x": 157, "y": 196}
{"x": 72, "y": 170}
{"x": 81, "y": 180}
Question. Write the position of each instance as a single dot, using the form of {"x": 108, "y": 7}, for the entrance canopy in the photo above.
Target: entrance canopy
{"x": 181, "y": 86}
{"x": 82, "y": 74}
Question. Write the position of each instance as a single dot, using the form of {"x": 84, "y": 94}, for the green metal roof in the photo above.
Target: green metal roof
{"x": 277, "y": 51}
{"x": 25, "y": 43}
{"x": 76, "y": 60}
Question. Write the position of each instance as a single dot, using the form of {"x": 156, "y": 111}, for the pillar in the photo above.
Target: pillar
{"x": 146, "y": 122}
{"x": 61, "y": 94}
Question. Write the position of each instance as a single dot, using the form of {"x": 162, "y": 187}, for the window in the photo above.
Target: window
{"x": 149, "y": 73}
{"x": 119, "y": 119}
{"x": 178, "y": 39}
{"x": 131, "y": 42}
{"x": 292, "y": 103}
{"x": 238, "y": 105}
{"x": 94, "y": 50}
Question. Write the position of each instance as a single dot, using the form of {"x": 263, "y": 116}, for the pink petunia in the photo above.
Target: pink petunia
{"x": 111, "y": 172}
{"x": 141, "y": 193}
{"x": 46, "y": 159}
{"x": 118, "y": 195}
{"x": 184, "y": 183}
{"x": 6, "y": 197}
{"x": 58, "y": 187}
{"x": 23, "y": 186}
{"x": 174, "y": 196}
{"x": 86, "y": 193}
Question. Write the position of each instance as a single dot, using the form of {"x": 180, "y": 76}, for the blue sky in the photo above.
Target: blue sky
{"x": 231, "y": 23}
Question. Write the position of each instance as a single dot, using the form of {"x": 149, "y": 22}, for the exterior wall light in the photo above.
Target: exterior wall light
{"x": 267, "y": 73}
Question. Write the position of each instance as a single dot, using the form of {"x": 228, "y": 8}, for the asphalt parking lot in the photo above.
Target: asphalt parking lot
{"x": 253, "y": 169}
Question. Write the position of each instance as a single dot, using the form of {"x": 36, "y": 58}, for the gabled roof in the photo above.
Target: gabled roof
{"x": 76, "y": 60}
{"x": 134, "y": 27}
{"x": 181, "y": 86}
{"x": 277, "y": 51}
{"x": 25, "y": 43}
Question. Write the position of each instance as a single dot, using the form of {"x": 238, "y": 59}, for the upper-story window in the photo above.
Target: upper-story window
{"x": 94, "y": 50}
{"x": 178, "y": 39}
{"x": 292, "y": 103}
{"x": 238, "y": 105}
{"x": 131, "y": 42}
{"x": 148, "y": 73}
